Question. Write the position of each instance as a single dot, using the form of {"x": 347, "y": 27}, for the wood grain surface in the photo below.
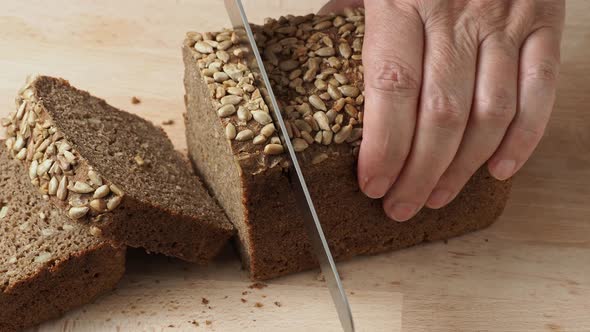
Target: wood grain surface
{"x": 528, "y": 272}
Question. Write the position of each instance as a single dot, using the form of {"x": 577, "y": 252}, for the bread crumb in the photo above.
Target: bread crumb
{"x": 204, "y": 301}
{"x": 194, "y": 322}
{"x": 170, "y": 325}
{"x": 258, "y": 285}
{"x": 135, "y": 100}
{"x": 278, "y": 304}
{"x": 258, "y": 305}
{"x": 167, "y": 122}
{"x": 243, "y": 300}
{"x": 245, "y": 292}
{"x": 320, "y": 277}
{"x": 208, "y": 322}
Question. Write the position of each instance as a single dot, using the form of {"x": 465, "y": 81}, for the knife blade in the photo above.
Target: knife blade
{"x": 240, "y": 22}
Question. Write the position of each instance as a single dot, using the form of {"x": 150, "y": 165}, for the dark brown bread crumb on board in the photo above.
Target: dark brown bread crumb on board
{"x": 135, "y": 100}
{"x": 204, "y": 301}
{"x": 251, "y": 185}
{"x": 48, "y": 264}
{"x": 164, "y": 207}
{"x": 258, "y": 285}
{"x": 258, "y": 305}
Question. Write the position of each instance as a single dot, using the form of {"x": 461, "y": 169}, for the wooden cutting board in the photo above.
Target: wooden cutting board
{"x": 528, "y": 272}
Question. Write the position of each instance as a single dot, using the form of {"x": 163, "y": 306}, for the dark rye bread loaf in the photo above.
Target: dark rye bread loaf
{"x": 48, "y": 264}
{"x": 113, "y": 170}
{"x": 314, "y": 63}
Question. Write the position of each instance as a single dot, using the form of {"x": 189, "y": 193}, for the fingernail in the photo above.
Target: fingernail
{"x": 377, "y": 187}
{"x": 504, "y": 169}
{"x": 438, "y": 198}
{"x": 403, "y": 211}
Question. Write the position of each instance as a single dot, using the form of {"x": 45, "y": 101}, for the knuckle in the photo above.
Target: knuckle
{"x": 544, "y": 71}
{"x": 498, "y": 106}
{"x": 444, "y": 111}
{"x": 528, "y": 136}
{"x": 395, "y": 77}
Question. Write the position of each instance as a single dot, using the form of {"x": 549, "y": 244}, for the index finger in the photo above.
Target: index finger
{"x": 392, "y": 58}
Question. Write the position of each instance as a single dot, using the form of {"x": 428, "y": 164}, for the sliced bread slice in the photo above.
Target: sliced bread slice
{"x": 113, "y": 170}
{"x": 48, "y": 264}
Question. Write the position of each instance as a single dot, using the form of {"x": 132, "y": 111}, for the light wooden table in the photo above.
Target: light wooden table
{"x": 528, "y": 272}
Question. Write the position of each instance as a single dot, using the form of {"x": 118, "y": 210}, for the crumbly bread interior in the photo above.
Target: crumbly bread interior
{"x": 33, "y": 234}
{"x": 127, "y": 150}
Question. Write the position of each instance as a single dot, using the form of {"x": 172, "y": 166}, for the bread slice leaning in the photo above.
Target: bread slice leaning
{"x": 114, "y": 171}
{"x": 48, "y": 264}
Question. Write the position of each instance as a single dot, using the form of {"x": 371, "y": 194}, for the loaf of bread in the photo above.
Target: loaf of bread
{"x": 113, "y": 171}
{"x": 48, "y": 264}
{"x": 315, "y": 66}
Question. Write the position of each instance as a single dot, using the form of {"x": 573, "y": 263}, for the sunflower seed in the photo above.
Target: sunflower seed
{"x": 64, "y": 146}
{"x": 230, "y": 131}
{"x": 19, "y": 143}
{"x": 334, "y": 93}
{"x": 95, "y": 231}
{"x": 262, "y": 117}
{"x": 273, "y": 149}
{"x": 232, "y": 90}
{"x": 98, "y": 205}
{"x": 341, "y": 78}
{"x": 355, "y": 135}
{"x": 345, "y": 50}
{"x": 224, "y": 45}
{"x": 117, "y": 191}
{"x": 299, "y": 144}
{"x": 226, "y": 110}
{"x": 62, "y": 191}
{"x": 231, "y": 100}
{"x": 222, "y": 55}
{"x": 114, "y": 202}
{"x": 22, "y": 154}
{"x": 70, "y": 157}
{"x": 244, "y": 114}
{"x": 43, "y": 257}
{"x": 322, "y": 25}
{"x": 78, "y": 212}
{"x": 81, "y": 188}
{"x": 288, "y": 65}
{"x": 316, "y": 102}
{"x": 95, "y": 179}
{"x": 268, "y": 130}
{"x": 349, "y": 91}
{"x": 21, "y": 110}
{"x": 307, "y": 137}
{"x": 203, "y": 47}
{"x": 351, "y": 110}
{"x": 53, "y": 184}
{"x": 318, "y": 158}
{"x": 245, "y": 135}
{"x": 302, "y": 125}
{"x": 318, "y": 137}
{"x": 343, "y": 134}
{"x": 3, "y": 212}
{"x": 44, "y": 167}
{"x": 322, "y": 120}
{"x": 325, "y": 51}
{"x": 101, "y": 191}
{"x": 260, "y": 139}
{"x": 220, "y": 76}
{"x": 339, "y": 119}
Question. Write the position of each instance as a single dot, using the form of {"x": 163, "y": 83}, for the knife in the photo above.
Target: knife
{"x": 240, "y": 22}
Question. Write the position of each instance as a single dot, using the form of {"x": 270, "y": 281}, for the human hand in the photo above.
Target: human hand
{"x": 450, "y": 86}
